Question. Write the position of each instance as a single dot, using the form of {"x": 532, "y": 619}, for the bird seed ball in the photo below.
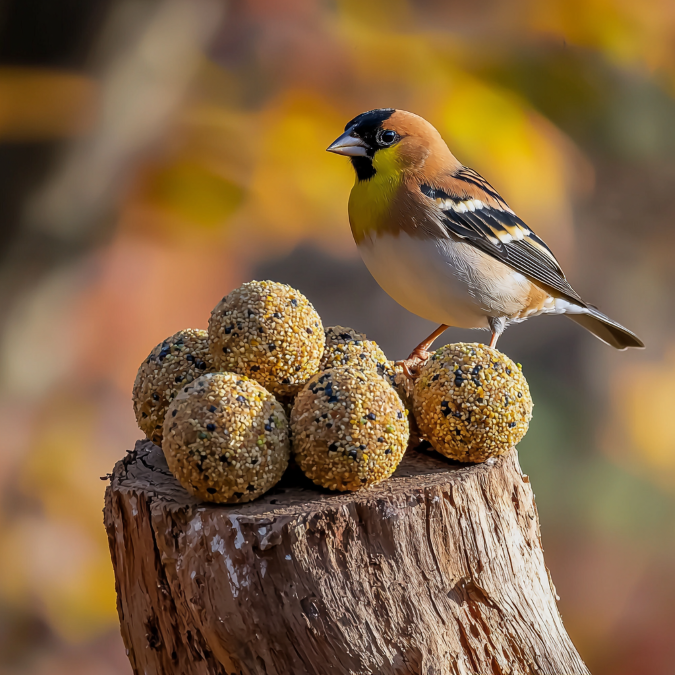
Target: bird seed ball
{"x": 226, "y": 438}
{"x": 171, "y": 365}
{"x": 350, "y": 429}
{"x": 347, "y": 347}
{"x": 471, "y": 402}
{"x": 270, "y": 332}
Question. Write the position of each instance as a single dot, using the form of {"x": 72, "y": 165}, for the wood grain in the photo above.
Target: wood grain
{"x": 439, "y": 570}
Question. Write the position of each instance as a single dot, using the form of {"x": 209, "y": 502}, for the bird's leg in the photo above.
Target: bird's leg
{"x": 420, "y": 354}
{"x": 497, "y": 326}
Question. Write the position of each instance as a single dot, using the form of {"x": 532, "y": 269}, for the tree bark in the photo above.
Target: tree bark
{"x": 439, "y": 570}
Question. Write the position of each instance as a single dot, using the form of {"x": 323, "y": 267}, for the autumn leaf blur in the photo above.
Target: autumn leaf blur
{"x": 156, "y": 155}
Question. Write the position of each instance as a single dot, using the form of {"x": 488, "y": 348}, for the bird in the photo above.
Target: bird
{"x": 441, "y": 241}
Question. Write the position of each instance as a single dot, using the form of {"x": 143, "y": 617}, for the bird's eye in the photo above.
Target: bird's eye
{"x": 386, "y": 137}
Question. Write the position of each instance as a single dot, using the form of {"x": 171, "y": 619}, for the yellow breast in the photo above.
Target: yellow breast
{"x": 371, "y": 201}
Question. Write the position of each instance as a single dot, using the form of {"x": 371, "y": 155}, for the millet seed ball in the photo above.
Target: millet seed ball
{"x": 471, "y": 402}
{"x": 350, "y": 429}
{"x": 226, "y": 438}
{"x": 269, "y": 332}
{"x": 347, "y": 347}
{"x": 171, "y": 365}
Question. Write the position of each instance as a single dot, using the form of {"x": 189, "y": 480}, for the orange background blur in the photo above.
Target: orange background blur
{"x": 154, "y": 155}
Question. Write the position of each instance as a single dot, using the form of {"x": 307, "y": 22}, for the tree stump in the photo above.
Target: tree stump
{"x": 439, "y": 570}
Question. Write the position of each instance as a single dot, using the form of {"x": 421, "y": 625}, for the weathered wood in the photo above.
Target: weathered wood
{"x": 437, "y": 571}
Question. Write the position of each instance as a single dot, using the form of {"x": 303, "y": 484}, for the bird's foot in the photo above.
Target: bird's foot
{"x": 412, "y": 365}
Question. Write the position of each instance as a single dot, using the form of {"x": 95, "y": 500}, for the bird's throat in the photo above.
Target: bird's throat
{"x": 364, "y": 167}
{"x": 371, "y": 202}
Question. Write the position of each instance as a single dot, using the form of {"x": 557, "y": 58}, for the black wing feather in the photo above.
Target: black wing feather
{"x": 474, "y": 178}
{"x": 504, "y": 236}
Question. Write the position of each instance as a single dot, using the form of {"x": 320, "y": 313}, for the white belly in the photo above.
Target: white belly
{"x": 439, "y": 280}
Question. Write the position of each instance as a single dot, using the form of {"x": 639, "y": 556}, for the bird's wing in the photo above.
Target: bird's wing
{"x": 472, "y": 210}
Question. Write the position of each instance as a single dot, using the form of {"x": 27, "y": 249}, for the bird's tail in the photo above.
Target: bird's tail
{"x": 610, "y": 332}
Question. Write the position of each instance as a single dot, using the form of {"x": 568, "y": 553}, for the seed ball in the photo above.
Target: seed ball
{"x": 226, "y": 438}
{"x": 171, "y": 365}
{"x": 347, "y": 347}
{"x": 350, "y": 429}
{"x": 269, "y": 332}
{"x": 471, "y": 402}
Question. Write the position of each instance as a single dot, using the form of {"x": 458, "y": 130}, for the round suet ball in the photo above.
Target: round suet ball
{"x": 350, "y": 429}
{"x": 226, "y": 438}
{"x": 269, "y": 332}
{"x": 347, "y": 347}
{"x": 171, "y": 365}
{"x": 471, "y": 402}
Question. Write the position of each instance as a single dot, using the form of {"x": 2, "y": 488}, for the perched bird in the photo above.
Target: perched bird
{"x": 443, "y": 243}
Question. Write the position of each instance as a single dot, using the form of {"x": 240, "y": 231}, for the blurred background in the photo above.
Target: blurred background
{"x": 154, "y": 154}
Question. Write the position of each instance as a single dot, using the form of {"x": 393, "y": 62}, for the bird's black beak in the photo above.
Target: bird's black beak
{"x": 348, "y": 145}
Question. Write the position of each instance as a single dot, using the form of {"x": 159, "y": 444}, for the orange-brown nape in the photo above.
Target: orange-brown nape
{"x": 422, "y": 152}
{"x": 425, "y": 159}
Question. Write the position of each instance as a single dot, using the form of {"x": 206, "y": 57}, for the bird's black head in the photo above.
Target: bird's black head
{"x": 364, "y": 136}
{"x": 368, "y": 126}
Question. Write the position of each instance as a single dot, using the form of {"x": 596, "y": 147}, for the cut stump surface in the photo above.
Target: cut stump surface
{"x": 437, "y": 571}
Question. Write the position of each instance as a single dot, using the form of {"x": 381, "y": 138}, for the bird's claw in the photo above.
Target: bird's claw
{"x": 412, "y": 365}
